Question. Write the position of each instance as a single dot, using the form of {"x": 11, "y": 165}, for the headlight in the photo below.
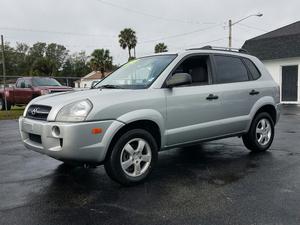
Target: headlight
{"x": 44, "y": 92}
{"x": 76, "y": 111}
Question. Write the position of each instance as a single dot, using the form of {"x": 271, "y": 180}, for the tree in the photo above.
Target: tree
{"x": 101, "y": 60}
{"x": 128, "y": 39}
{"x": 9, "y": 60}
{"x": 46, "y": 59}
{"x": 35, "y": 54}
{"x": 55, "y": 55}
{"x": 21, "y": 58}
{"x": 76, "y": 65}
{"x": 160, "y": 47}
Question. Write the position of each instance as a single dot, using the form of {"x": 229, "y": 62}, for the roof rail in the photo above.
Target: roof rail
{"x": 208, "y": 47}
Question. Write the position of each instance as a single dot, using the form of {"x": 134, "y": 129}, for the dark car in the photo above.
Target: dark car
{"x": 28, "y": 88}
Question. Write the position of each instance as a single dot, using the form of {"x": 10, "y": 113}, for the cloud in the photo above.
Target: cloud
{"x": 86, "y": 25}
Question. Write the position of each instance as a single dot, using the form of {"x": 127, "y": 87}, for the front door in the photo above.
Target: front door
{"x": 289, "y": 92}
{"x": 191, "y": 111}
{"x": 22, "y": 92}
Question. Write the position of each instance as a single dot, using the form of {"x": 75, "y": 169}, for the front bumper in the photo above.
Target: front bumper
{"x": 74, "y": 142}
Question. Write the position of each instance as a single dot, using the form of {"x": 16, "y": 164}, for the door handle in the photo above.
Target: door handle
{"x": 253, "y": 92}
{"x": 212, "y": 97}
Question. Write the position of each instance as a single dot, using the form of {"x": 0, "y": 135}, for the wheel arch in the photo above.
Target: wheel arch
{"x": 270, "y": 109}
{"x": 266, "y": 104}
{"x": 149, "y": 125}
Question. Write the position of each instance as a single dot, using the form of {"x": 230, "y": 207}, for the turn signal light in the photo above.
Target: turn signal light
{"x": 96, "y": 131}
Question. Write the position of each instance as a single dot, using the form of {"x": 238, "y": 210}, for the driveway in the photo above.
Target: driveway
{"x": 218, "y": 182}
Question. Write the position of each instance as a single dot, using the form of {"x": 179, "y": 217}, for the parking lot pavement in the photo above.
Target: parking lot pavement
{"x": 218, "y": 182}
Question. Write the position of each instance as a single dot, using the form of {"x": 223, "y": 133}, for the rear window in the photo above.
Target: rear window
{"x": 252, "y": 68}
{"x": 230, "y": 69}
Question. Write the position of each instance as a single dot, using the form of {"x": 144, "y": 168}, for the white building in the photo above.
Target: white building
{"x": 279, "y": 50}
{"x": 89, "y": 79}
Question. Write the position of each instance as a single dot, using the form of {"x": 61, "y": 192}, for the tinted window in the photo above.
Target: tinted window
{"x": 27, "y": 84}
{"x": 198, "y": 67}
{"x": 20, "y": 83}
{"x": 252, "y": 68}
{"x": 230, "y": 69}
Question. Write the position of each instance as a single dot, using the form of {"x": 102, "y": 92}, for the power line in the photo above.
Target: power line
{"x": 188, "y": 46}
{"x": 54, "y": 32}
{"x": 252, "y": 27}
{"x": 206, "y": 42}
{"x": 179, "y": 35}
{"x": 108, "y": 36}
{"x": 151, "y": 15}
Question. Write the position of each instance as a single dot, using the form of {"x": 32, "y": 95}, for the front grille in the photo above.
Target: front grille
{"x": 38, "y": 112}
{"x": 35, "y": 138}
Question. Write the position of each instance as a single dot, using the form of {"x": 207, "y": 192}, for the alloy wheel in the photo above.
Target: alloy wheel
{"x": 263, "y": 132}
{"x": 136, "y": 157}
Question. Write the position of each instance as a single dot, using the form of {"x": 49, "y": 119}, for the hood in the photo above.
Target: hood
{"x": 96, "y": 96}
{"x": 64, "y": 98}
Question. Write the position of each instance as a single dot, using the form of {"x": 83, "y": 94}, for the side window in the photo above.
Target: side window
{"x": 20, "y": 83}
{"x": 252, "y": 68}
{"x": 27, "y": 84}
{"x": 230, "y": 69}
{"x": 198, "y": 67}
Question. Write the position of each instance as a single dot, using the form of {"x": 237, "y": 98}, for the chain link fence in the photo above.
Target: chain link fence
{"x": 66, "y": 81}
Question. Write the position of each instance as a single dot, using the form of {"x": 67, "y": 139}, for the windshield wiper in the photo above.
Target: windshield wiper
{"x": 110, "y": 86}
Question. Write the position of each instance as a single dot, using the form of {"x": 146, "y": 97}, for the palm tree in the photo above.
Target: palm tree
{"x": 128, "y": 39}
{"x": 160, "y": 47}
{"x": 101, "y": 60}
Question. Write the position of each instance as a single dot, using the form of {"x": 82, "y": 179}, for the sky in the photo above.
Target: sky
{"x": 180, "y": 24}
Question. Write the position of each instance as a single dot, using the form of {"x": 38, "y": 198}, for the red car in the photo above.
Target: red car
{"x": 28, "y": 88}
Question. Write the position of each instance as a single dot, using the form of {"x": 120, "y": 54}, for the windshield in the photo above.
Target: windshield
{"x": 45, "y": 81}
{"x": 137, "y": 74}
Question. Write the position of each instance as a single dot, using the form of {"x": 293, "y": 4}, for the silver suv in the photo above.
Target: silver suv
{"x": 156, "y": 103}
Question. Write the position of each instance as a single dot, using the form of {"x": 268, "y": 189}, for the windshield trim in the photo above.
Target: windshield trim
{"x": 148, "y": 56}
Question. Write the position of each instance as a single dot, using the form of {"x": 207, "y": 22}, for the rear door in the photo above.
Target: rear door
{"x": 239, "y": 92}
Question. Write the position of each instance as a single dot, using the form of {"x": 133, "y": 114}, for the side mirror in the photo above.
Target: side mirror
{"x": 179, "y": 79}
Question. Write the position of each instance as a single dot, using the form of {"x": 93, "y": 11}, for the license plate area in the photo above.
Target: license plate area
{"x": 35, "y": 138}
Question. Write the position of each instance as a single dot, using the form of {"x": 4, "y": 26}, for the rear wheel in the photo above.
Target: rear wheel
{"x": 132, "y": 157}
{"x": 2, "y": 105}
{"x": 261, "y": 133}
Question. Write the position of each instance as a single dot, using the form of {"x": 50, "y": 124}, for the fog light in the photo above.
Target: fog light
{"x": 55, "y": 131}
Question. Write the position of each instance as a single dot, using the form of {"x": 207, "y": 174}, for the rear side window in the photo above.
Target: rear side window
{"x": 252, "y": 68}
{"x": 230, "y": 69}
{"x": 19, "y": 83}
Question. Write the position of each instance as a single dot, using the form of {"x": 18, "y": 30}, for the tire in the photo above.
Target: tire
{"x": 261, "y": 133}
{"x": 138, "y": 151}
{"x": 2, "y": 105}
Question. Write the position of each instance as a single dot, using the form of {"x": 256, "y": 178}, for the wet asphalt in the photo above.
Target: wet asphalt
{"x": 218, "y": 182}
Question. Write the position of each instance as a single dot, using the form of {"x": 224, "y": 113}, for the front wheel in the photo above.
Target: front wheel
{"x": 261, "y": 133}
{"x": 132, "y": 158}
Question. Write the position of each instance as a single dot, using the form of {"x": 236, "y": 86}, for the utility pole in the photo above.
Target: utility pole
{"x": 230, "y": 34}
{"x": 4, "y": 71}
{"x": 230, "y": 24}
